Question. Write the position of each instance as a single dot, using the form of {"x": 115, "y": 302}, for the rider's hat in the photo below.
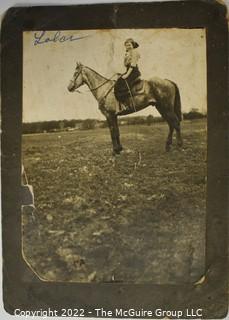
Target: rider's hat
{"x": 134, "y": 43}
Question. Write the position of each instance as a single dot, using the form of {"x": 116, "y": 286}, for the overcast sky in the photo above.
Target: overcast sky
{"x": 176, "y": 54}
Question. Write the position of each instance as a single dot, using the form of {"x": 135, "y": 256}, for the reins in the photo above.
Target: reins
{"x": 103, "y": 83}
{"x": 99, "y": 86}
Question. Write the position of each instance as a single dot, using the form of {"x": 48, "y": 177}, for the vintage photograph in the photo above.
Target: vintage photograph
{"x": 114, "y": 152}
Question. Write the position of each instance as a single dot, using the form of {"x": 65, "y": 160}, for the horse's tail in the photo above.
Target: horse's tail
{"x": 177, "y": 103}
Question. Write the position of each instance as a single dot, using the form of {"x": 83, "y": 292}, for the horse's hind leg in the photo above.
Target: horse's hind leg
{"x": 168, "y": 116}
{"x": 174, "y": 122}
{"x": 179, "y": 138}
{"x": 169, "y": 140}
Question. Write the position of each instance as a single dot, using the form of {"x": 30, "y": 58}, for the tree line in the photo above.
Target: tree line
{"x": 74, "y": 124}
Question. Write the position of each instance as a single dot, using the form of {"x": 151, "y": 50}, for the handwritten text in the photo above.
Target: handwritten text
{"x": 42, "y": 38}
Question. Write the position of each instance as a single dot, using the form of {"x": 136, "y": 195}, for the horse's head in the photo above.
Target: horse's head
{"x": 77, "y": 79}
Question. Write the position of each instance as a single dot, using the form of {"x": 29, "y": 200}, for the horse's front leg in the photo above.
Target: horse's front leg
{"x": 113, "y": 131}
{"x": 117, "y": 133}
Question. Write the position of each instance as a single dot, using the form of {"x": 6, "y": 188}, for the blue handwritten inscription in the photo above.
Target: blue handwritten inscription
{"x": 42, "y": 38}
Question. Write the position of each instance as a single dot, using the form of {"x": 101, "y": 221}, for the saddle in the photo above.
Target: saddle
{"x": 125, "y": 94}
{"x": 138, "y": 87}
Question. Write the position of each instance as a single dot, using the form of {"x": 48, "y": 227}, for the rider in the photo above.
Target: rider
{"x": 125, "y": 82}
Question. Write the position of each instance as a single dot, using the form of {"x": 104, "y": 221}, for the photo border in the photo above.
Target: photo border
{"x": 21, "y": 288}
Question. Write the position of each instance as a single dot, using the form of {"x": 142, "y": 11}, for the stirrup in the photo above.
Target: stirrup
{"x": 123, "y": 107}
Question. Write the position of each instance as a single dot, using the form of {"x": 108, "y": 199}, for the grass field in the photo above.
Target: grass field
{"x": 138, "y": 217}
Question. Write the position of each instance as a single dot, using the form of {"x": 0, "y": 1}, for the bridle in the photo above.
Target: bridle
{"x": 92, "y": 89}
{"x": 76, "y": 76}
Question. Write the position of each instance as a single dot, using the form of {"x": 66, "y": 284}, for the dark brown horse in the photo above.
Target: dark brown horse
{"x": 161, "y": 93}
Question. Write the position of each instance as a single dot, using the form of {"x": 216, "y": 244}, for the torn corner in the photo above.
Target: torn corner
{"x": 223, "y": 7}
{"x": 202, "y": 279}
{"x": 223, "y": 2}
{"x": 27, "y": 195}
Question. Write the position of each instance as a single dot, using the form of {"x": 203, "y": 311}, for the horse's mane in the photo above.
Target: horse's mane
{"x": 97, "y": 73}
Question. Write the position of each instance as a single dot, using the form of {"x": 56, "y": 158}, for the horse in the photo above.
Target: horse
{"x": 160, "y": 93}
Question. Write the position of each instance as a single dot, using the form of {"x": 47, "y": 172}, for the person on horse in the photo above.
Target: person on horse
{"x": 124, "y": 84}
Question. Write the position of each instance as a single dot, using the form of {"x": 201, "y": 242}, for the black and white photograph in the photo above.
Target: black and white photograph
{"x": 114, "y": 160}
{"x": 114, "y": 152}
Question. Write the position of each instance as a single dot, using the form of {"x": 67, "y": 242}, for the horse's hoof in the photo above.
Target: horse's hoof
{"x": 115, "y": 153}
{"x": 167, "y": 147}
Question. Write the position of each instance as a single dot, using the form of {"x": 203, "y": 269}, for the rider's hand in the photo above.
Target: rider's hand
{"x": 124, "y": 76}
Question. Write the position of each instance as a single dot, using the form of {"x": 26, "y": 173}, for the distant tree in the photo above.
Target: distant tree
{"x": 104, "y": 124}
{"x": 62, "y": 125}
{"x": 159, "y": 119}
{"x": 71, "y": 123}
{"x": 28, "y": 128}
{"x": 88, "y": 124}
{"x": 193, "y": 114}
{"x": 136, "y": 120}
{"x": 149, "y": 119}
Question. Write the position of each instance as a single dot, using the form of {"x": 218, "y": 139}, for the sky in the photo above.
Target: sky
{"x": 175, "y": 54}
